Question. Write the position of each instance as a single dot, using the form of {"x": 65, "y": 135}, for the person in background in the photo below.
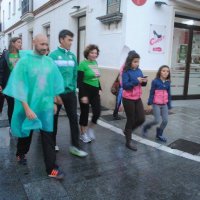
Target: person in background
{"x": 1, "y": 103}
{"x": 89, "y": 92}
{"x": 34, "y": 83}
{"x": 132, "y": 80}
{"x": 67, "y": 64}
{"x": 160, "y": 101}
{"x": 8, "y": 61}
{"x": 118, "y": 102}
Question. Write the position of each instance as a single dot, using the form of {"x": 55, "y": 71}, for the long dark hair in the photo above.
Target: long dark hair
{"x": 131, "y": 55}
{"x": 12, "y": 40}
{"x": 159, "y": 72}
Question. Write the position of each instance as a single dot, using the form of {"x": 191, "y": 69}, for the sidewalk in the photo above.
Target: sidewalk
{"x": 110, "y": 172}
{"x": 184, "y": 123}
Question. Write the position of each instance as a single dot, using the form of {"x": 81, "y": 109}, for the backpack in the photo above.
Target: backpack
{"x": 115, "y": 86}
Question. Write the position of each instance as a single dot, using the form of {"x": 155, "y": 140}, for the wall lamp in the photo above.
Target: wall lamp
{"x": 160, "y": 3}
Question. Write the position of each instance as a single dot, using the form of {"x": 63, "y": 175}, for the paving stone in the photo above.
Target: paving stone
{"x": 110, "y": 171}
{"x": 45, "y": 189}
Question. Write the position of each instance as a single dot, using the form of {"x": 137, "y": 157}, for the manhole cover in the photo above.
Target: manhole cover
{"x": 4, "y": 123}
{"x": 186, "y": 146}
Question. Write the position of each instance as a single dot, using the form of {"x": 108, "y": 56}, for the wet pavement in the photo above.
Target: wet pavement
{"x": 111, "y": 171}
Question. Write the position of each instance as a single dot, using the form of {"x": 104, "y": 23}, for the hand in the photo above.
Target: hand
{"x": 55, "y": 109}
{"x": 1, "y": 89}
{"x": 85, "y": 100}
{"x": 140, "y": 79}
{"x": 100, "y": 92}
{"x": 30, "y": 114}
{"x": 149, "y": 108}
{"x": 59, "y": 100}
{"x": 144, "y": 80}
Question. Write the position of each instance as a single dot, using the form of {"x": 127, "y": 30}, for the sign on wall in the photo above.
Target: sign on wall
{"x": 157, "y": 39}
{"x": 139, "y": 2}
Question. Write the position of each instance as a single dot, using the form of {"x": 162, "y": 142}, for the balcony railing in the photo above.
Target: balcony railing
{"x": 27, "y": 10}
{"x": 27, "y": 6}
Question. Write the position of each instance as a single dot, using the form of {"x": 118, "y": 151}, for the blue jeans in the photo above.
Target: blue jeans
{"x": 158, "y": 110}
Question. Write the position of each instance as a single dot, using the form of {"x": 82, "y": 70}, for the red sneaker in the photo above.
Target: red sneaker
{"x": 57, "y": 174}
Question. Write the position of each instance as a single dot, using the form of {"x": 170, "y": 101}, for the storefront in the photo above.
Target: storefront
{"x": 186, "y": 58}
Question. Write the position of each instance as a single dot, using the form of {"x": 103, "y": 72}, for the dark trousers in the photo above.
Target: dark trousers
{"x": 23, "y": 146}
{"x": 1, "y": 102}
{"x": 10, "y": 102}
{"x": 134, "y": 112}
{"x": 94, "y": 101}
{"x": 70, "y": 104}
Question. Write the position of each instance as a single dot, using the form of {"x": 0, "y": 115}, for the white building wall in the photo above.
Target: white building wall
{"x": 114, "y": 41}
{"x": 139, "y": 19}
{"x": 14, "y": 16}
{"x": 38, "y": 3}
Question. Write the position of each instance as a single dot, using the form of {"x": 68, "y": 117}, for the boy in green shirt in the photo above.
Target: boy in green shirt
{"x": 67, "y": 64}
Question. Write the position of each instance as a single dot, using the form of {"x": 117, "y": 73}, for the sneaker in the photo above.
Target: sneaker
{"x": 116, "y": 117}
{"x": 57, "y": 148}
{"x": 84, "y": 137}
{"x": 56, "y": 173}
{"x": 77, "y": 152}
{"x": 90, "y": 134}
{"x": 22, "y": 160}
{"x": 10, "y": 132}
{"x": 161, "y": 138}
{"x": 144, "y": 131}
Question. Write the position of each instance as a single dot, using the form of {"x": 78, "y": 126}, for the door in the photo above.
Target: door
{"x": 81, "y": 37}
{"x": 194, "y": 74}
{"x": 185, "y": 70}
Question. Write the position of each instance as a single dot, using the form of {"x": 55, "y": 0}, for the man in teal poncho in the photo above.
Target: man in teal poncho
{"x": 34, "y": 83}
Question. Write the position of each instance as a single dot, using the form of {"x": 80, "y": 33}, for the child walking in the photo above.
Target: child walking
{"x": 132, "y": 80}
{"x": 159, "y": 101}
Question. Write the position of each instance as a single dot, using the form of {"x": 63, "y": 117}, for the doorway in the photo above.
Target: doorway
{"x": 185, "y": 70}
{"x": 81, "y": 37}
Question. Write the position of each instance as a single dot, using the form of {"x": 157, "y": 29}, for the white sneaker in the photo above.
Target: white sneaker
{"x": 77, "y": 152}
{"x": 57, "y": 148}
{"x": 85, "y": 138}
{"x": 90, "y": 134}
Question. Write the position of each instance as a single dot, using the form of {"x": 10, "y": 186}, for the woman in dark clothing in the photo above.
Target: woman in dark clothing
{"x": 8, "y": 61}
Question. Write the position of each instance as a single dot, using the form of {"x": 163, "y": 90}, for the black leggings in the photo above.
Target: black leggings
{"x": 94, "y": 101}
{"x": 134, "y": 112}
{"x": 10, "y": 102}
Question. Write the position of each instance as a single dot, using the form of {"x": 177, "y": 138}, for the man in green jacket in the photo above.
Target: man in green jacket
{"x": 67, "y": 64}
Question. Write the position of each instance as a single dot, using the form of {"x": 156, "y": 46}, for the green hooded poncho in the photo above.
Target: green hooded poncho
{"x": 35, "y": 80}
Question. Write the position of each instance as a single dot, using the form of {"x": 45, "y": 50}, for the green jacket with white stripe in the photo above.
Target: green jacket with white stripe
{"x": 67, "y": 64}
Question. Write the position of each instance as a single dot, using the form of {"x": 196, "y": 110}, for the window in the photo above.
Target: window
{"x": 31, "y": 39}
{"x": 47, "y": 32}
{"x": 113, "y": 6}
{"x": 9, "y": 37}
{"x": 19, "y": 4}
{"x": 20, "y": 35}
{"x": 14, "y": 6}
{"x": 3, "y": 24}
{"x": 9, "y": 10}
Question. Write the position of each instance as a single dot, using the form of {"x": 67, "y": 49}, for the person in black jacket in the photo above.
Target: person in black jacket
{"x": 7, "y": 62}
